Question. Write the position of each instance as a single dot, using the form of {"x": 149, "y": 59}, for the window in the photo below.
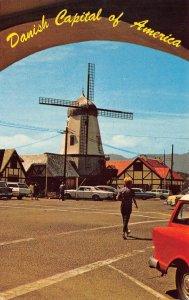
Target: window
{"x": 81, "y": 188}
{"x": 138, "y": 166}
{"x": 13, "y": 162}
{"x": 182, "y": 217}
{"x": 72, "y": 140}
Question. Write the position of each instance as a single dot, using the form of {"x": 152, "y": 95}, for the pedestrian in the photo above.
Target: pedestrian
{"x": 31, "y": 187}
{"x": 127, "y": 196}
{"x": 61, "y": 191}
{"x": 36, "y": 191}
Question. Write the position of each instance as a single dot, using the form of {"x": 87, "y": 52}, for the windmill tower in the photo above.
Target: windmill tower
{"x": 82, "y": 142}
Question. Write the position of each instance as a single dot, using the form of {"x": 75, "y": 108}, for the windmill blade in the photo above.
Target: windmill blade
{"x": 57, "y": 102}
{"x": 114, "y": 114}
{"x": 90, "y": 81}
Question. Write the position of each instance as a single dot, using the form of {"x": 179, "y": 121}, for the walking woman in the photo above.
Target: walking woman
{"x": 127, "y": 196}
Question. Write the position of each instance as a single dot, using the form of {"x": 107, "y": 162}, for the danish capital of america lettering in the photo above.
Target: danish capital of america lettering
{"x": 169, "y": 39}
{"x": 62, "y": 18}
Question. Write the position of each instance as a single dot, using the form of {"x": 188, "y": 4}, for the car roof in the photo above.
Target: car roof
{"x": 185, "y": 197}
{"x": 105, "y": 186}
{"x": 86, "y": 186}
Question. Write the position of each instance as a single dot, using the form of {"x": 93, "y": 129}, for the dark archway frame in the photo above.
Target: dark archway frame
{"x": 166, "y": 16}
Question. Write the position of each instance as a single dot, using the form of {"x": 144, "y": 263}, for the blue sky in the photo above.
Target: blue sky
{"x": 152, "y": 84}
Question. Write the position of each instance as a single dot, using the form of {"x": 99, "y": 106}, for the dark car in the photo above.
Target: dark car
{"x": 141, "y": 194}
{"x": 5, "y": 191}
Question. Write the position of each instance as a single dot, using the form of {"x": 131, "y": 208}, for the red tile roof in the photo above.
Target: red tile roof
{"x": 155, "y": 165}
{"x": 120, "y": 165}
{"x": 162, "y": 172}
{"x": 177, "y": 176}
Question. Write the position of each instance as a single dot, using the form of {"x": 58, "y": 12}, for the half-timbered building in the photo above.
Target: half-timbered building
{"x": 146, "y": 173}
{"x": 11, "y": 167}
{"x": 47, "y": 170}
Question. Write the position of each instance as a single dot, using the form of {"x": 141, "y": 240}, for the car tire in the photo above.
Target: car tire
{"x": 19, "y": 197}
{"x": 95, "y": 197}
{"x": 182, "y": 282}
{"x": 67, "y": 196}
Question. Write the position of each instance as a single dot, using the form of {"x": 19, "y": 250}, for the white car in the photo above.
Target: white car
{"x": 19, "y": 189}
{"x": 173, "y": 199}
{"x": 88, "y": 192}
{"x": 160, "y": 193}
{"x": 108, "y": 188}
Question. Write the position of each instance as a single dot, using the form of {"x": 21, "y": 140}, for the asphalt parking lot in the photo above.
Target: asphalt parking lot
{"x": 53, "y": 249}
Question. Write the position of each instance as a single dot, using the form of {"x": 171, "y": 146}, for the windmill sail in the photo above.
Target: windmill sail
{"x": 74, "y": 104}
{"x": 114, "y": 113}
{"x": 90, "y": 81}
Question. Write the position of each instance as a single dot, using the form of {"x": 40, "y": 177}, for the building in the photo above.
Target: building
{"x": 83, "y": 142}
{"x": 47, "y": 170}
{"x": 146, "y": 173}
{"x": 11, "y": 167}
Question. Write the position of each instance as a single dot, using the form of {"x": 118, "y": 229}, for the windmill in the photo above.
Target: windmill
{"x": 83, "y": 143}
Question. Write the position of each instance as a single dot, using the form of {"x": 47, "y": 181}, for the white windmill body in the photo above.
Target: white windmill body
{"x": 84, "y": 145}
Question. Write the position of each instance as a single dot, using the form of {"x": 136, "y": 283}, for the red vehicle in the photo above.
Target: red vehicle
{"x": 172, "y": 247}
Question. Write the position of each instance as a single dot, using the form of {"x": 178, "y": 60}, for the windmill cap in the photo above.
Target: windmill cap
{"x": 83, "y": 107}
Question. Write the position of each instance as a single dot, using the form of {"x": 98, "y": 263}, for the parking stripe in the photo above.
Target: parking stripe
{"x": 76, "y": 210}
{"x": 108, "y": 227}
{"x": 142, "y": 285}
{"x": 16, "y": 241}
{"x": 78, "y": 231}
{"x": 37, "y": 285}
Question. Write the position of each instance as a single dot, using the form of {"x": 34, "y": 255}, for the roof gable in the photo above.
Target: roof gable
{"x": 5, "y": 155}
{"x": 120, "y": 165}
{"x": 54, "y": 162}
{"x": 155, "y": 165}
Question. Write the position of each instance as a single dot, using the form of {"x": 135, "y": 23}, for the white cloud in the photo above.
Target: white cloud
{"x": 49, "y": 55}
{"x": 14, "y": 141}
{"x": 125, "y": 141}
{"x": 26, "y": 144}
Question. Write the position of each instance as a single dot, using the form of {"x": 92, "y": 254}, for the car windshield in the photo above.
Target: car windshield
{"x": 22, "y": 185}
{"x": 105, "y": 188}
{"x": 182, "y": 216}
{"x": 12, "y": 184}
{"x": 2, "y": 184}
{"x": 184, "y": 192}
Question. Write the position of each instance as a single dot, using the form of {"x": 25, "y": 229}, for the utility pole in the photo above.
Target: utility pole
{"x": 172, "y": 169}
{"x": 65, "y": 153}
{"x": 164, "y": 181}
{"x": 46, "y": 177}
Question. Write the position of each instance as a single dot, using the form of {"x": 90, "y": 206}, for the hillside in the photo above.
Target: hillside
{"x": 181, "y": 161}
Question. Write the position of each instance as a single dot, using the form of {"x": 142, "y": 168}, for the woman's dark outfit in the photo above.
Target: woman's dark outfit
{"x": 126, "y": 196}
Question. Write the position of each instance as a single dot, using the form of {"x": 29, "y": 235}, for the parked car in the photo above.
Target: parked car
{"x": 160, "y": 193}
{"x": 108, "y": 188}
{"x": 171, "y": 247}
{"x": 5, "y": 191}
{"x": 141, "y": 194}
{"x": 19, "y": 189}
{"x": 172, "y": 200}
{"x": 88, "y": 192}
